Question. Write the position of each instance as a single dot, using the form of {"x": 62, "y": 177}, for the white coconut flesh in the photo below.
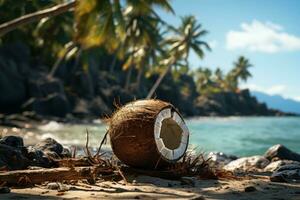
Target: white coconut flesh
{"x": 171, "y": 135}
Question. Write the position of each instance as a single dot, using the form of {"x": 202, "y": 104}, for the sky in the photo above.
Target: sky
{"x": 267, "y": 32}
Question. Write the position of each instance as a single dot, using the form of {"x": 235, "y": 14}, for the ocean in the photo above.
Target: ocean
{"x": 241, "y": 136}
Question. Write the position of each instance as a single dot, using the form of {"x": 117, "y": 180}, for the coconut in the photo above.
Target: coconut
{"x": 148, "y": 134}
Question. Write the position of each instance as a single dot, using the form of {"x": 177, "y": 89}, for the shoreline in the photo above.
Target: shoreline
{"x": 19, "y": 120}
{"x": 273, "y": 175}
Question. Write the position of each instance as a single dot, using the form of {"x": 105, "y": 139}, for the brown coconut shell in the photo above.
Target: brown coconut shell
{"x": 131, "y": 131}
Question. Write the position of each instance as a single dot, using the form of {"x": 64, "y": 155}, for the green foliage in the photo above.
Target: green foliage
{"x": 46, "y": 38}
{"x": 186, "y": 37}
{"x": 130, "y": 31}
{"x": 213, "y": 82}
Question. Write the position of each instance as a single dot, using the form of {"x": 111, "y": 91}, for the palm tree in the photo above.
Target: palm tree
{"x": 84, "y": 6}
{"x": 203, "y": 79}
{"x": 187, "y": 37}
{"x": 240, "y": 71}
{"x": 102, "y": 23}
{"x": 219, "y": 78}
{"x": 123, "y": 29}
{"x": 142, "y": 40}
{"x": 242, "y": 68}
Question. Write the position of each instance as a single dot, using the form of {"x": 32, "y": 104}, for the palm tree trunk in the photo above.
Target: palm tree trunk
{"x": 60, "y": 60}
{"x": 158, "y": 81}
{"x": 36, "y": 16}
{"x": 77, "y": 61}
{"x": 113, "y": 64}
{"x": 128, "y": 78}
{"x": 139, "y": 77}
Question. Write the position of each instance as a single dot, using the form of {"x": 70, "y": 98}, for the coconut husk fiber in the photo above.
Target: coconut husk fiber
{"x": 131, "y": 131}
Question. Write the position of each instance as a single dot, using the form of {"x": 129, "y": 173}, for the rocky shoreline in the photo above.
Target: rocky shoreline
{"x": 30, "y": 92}
{"x": 277, "y": 158}
{"x": 221, "y": 104}
{"x": 279, "y": 167}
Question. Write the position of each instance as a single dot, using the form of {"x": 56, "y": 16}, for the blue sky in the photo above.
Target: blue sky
{"x": 267, "y": 32}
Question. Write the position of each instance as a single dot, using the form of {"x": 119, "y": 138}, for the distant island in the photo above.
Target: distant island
{"x": 278, "y": 102}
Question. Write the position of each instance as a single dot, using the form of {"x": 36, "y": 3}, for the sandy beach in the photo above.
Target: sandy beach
{"x": 146, "y": 187}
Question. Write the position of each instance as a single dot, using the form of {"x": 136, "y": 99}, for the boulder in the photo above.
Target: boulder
{"x": 115, "y": 94}
{"x": 97, "y": 107}
{"x": 44, "y": 86}
{"x": 273, "y": 166}
{"x": 253, "y": 163}
{"x": 81, "y": 108}
{"x": 42, "y": 153}
{"x": 280, "y": 152}
{"x": 13, "y": 141}
{"x": 38, "y": 158}
{"x": 286, "y": 173}
{"x": 50, "y": 146}
{"x": 12, "y": 158}
{"x": 52, "y": 105}
{"x": 66, "y": 153}
{"x": 82, "y": 85}
{"x": 14, "y": 65}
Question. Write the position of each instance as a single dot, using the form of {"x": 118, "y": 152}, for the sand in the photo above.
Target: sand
{"x": 146, "y": 187}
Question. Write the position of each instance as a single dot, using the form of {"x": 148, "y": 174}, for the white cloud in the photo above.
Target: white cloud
{"x": 262, "y": 37}
{"x": 213, "y": 44}
{"x": 297, "y": 98}
{"x": 275, "y": 89}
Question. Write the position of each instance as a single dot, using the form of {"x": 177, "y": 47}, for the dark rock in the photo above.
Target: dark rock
{"x": 115, "y": 94}
{"x": 98, "y": 107}
{"x": 4, "y": 190}
{"x": 14, "y": 65}
{"x": 282, "y": 153}
{"x": 286, "y": 173}
{"x": 82, "y": 85}
{"x": 232, "y": 103}
{"x": 42, "y": 154}
{"x": 288, "y": 167}
{"x": 191, "y": 181}
{"x": 12, "y": 158}
{"x": 250, "y": 189}
{"x": 45, "y": 86}
{"x": 50, "y": 145}
{"x": 53, "y": 105}
{"x": 38, "y": 158}
{"x": 13, "y": 155}
{"x": 66, "y": 153}
{"x": 81, "y": 108}
{"x": 13, "y": 141}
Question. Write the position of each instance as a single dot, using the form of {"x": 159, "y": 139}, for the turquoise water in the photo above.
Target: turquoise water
{"x": 244, "y": 135}
{"x": 240, "y": 136}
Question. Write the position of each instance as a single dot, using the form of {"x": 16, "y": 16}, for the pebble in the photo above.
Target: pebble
{"x": 250, "y": 189}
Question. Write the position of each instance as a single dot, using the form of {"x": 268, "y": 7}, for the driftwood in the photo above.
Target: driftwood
{"x": 74, "y": 162}
{"x": 165, "y": 174}
{"x": 29, "y": 177}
